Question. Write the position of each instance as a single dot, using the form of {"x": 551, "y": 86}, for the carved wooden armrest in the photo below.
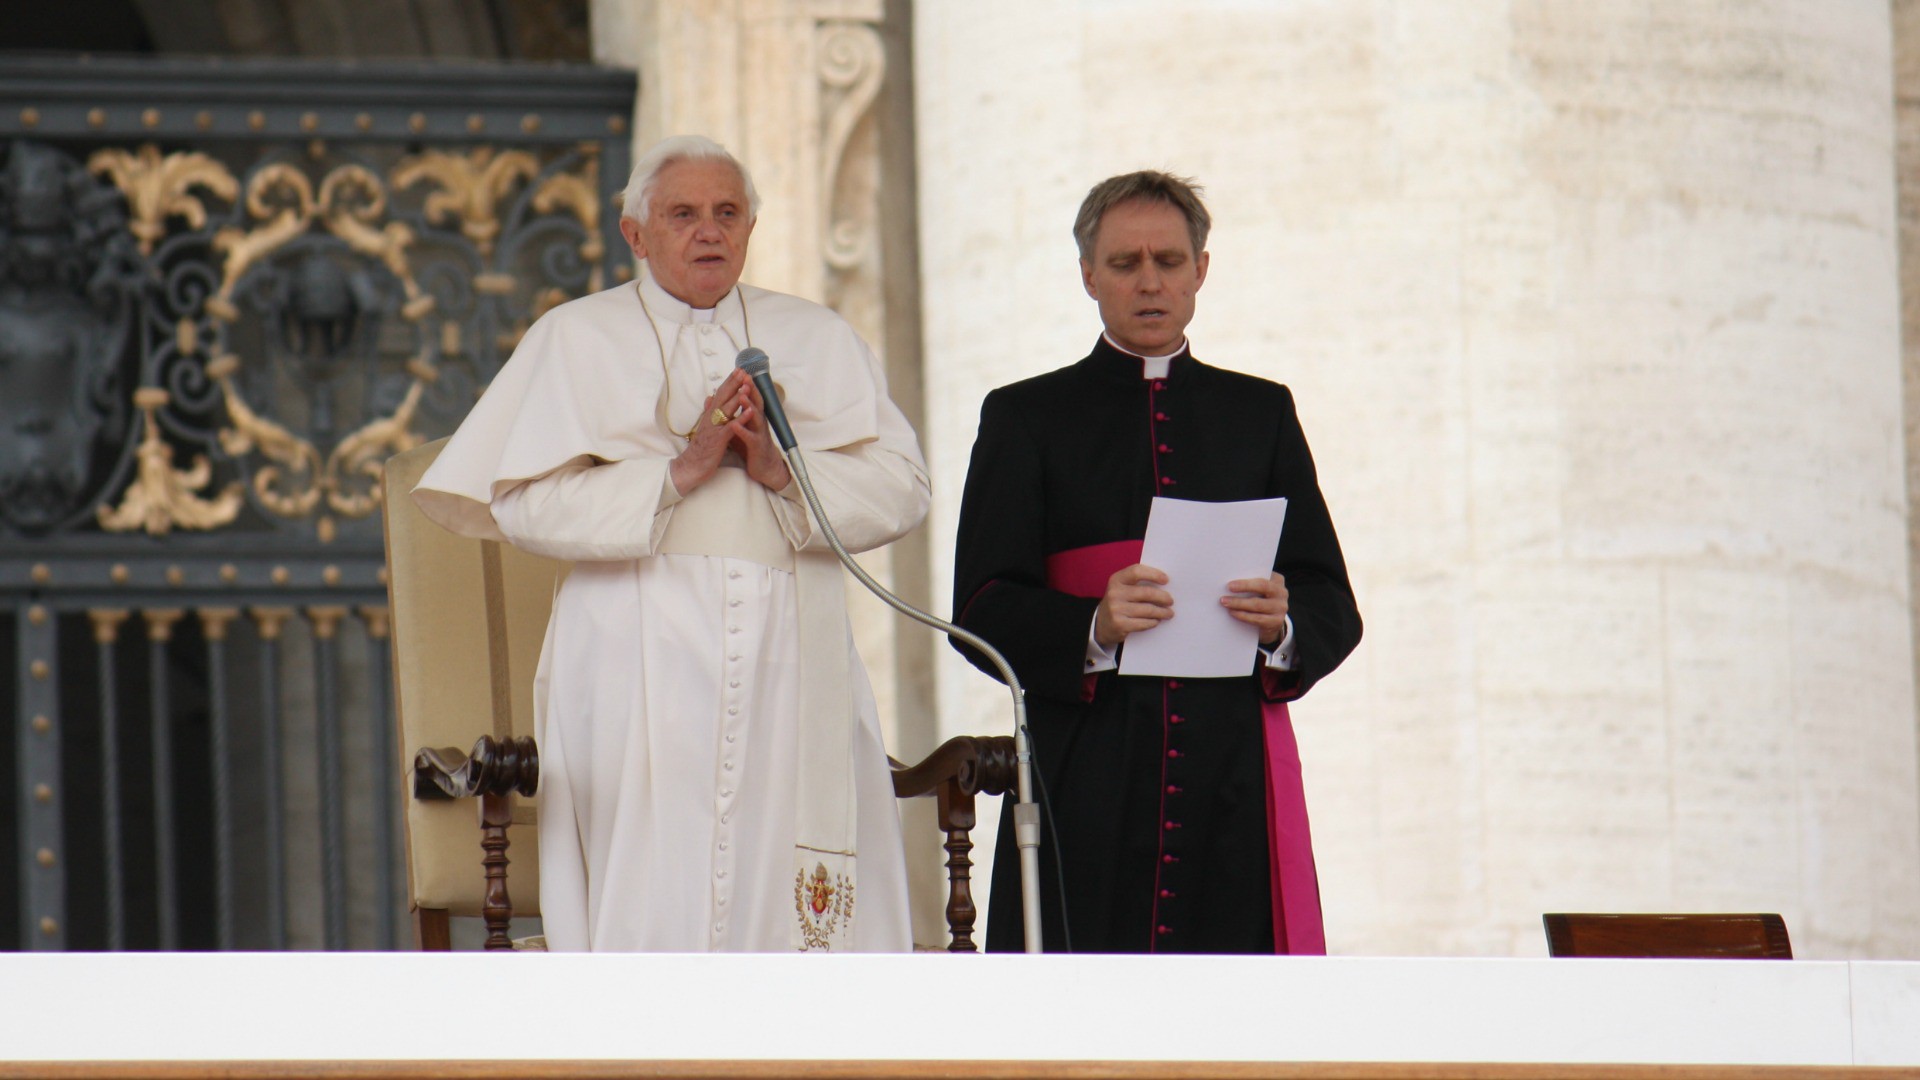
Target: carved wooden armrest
{"x": 493, "y": 771}
{"x": 494, "y": 767}
{"x": 959, "y": 769}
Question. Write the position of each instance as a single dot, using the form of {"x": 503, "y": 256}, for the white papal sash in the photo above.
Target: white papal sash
{"x": 731, "y": 515}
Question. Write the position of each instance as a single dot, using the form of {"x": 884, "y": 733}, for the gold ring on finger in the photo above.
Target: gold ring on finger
{"x": 718, "y": 417}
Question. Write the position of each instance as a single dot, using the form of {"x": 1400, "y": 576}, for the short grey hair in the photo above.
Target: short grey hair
{"x": 646, "y": 172}
{"x": 1178, "y": 192}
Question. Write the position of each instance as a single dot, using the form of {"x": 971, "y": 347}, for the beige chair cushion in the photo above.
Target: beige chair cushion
{"x": 444, "y": 685}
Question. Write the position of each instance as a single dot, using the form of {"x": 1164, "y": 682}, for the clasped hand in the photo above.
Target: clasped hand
{"x": 745, "y": 430}
{"x": 1135, "y": 601}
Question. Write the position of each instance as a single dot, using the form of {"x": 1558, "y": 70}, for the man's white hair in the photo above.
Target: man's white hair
{"x": 646, "y": 172}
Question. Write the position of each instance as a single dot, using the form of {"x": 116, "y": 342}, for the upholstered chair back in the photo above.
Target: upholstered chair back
{"x": 469, "y": 617}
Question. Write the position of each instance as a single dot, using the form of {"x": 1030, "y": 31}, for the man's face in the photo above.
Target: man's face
{"x": 1144, "y": 274}
{"x": 695, "y": 235}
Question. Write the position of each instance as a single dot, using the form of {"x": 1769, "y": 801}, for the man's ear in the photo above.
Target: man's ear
{"x": 630, "y": 231}
{"x": 1086, "y": 277}
{"x": 1200, "y": 271}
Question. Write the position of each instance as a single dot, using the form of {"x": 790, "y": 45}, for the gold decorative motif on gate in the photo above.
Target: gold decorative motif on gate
{"x": 301, "y": 478}
{"x": 471, "y": 187}
{"x": 161, "y": 496}
{"x": 578, "y": 193}
{"x": 350, "y": 201}
{"x": 822, "y": 902}
{"x": 351, "y": 204}
{"x": 157, "y": 187}
{"x": 251, "y": 431}
{"x": 363, "y": 453}
{"x": 289, "y": 278}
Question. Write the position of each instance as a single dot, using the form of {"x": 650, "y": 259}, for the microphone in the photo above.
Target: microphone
{"x": 755, "y": 363}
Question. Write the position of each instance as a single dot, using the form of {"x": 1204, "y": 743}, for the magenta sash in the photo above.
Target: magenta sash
{"x": 1298, "y": 927}
{"x": 1083, "y": 572}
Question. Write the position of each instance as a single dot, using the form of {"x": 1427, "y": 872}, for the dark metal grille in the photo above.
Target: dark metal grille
{"x": 228, "y": 291}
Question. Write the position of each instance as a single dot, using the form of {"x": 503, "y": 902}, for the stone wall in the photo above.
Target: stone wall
{"x": 1593, "y": 315}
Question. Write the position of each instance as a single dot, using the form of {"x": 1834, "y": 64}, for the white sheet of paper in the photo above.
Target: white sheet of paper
{"x": 1201, "y": 546}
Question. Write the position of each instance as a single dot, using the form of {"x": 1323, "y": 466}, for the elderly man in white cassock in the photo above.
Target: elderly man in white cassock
{"x": 712, "y": 773}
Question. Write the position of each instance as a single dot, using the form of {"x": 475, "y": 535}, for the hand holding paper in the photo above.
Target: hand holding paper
{"x": 1201, "y": 547}
{"x": 1260, "y": 602}
{"x": 1134, "y": 601}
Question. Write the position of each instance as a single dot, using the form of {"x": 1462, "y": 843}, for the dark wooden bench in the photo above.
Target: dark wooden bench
{"x": 1674, "y": 937}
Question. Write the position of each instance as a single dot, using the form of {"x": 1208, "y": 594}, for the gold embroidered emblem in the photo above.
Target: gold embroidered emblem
{"x": 821, "y": 901}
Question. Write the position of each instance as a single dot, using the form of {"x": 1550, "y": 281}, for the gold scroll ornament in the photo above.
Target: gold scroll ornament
{"x": 282, "y": 201}
{"x": 162, "y": 496}
{"x": 300, "y": 478}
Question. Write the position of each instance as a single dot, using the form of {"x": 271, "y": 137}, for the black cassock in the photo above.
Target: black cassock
{"x": 1177, "y": 802}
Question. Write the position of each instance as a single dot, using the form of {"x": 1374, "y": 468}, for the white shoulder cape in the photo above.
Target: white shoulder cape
{"x": 585, "y": 380}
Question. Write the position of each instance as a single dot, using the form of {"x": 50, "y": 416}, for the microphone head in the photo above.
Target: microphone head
{"x": 753, "y": 361}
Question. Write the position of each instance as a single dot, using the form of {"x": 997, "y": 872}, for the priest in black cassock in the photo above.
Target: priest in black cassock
{"x": 1180, "y": 820}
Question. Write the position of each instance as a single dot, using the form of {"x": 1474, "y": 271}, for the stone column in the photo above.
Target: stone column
{"x": 1906, "y": 94}
{"x": 1592, "y": 314}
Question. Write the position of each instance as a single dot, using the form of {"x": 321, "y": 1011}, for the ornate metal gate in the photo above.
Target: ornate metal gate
{"x": 228, "y": 291}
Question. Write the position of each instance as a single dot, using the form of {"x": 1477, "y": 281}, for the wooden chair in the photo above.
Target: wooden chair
{"x": 469, "y": 618}
{"x": 954, "y": 773}
{"x": 1673, "y": 937}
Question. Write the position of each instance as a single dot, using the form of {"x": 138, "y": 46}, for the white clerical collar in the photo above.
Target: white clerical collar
{"x": 1151, "y": 367}
{"x": 664, "y": 305}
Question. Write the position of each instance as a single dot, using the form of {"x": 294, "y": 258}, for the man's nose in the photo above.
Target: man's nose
{"x": 708, "y": 230}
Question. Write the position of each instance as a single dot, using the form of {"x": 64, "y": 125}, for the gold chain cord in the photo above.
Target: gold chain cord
{"x": 666, "y": 376}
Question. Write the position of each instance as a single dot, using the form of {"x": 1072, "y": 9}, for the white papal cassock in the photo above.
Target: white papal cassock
{"x": 673, "y": 809}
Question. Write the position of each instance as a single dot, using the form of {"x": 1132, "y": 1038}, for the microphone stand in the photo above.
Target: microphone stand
{"x": 1026, "y": 814}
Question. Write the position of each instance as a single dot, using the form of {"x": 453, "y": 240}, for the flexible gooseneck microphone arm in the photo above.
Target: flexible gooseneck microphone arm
{"x": 1026, "y": 813}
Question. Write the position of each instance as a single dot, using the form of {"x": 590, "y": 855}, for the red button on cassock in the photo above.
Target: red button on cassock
{"x": 1166, "y": 894}
{"x": 1169, "y": 858}
{"x": 1172, "y": 825}
{"x": 1165, "y": 449}
{"x": 1173, "y": 684}
{"x": 1163, "y": 929}
{"x": 1173, "y": 753}
{"x": 1159, "y": 416}
{"x": 1176, "y": 718}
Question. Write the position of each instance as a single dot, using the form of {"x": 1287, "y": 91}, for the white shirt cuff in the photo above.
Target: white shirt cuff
{"x": 1099, "y": 657}
{"x": 1280, "y": 656}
